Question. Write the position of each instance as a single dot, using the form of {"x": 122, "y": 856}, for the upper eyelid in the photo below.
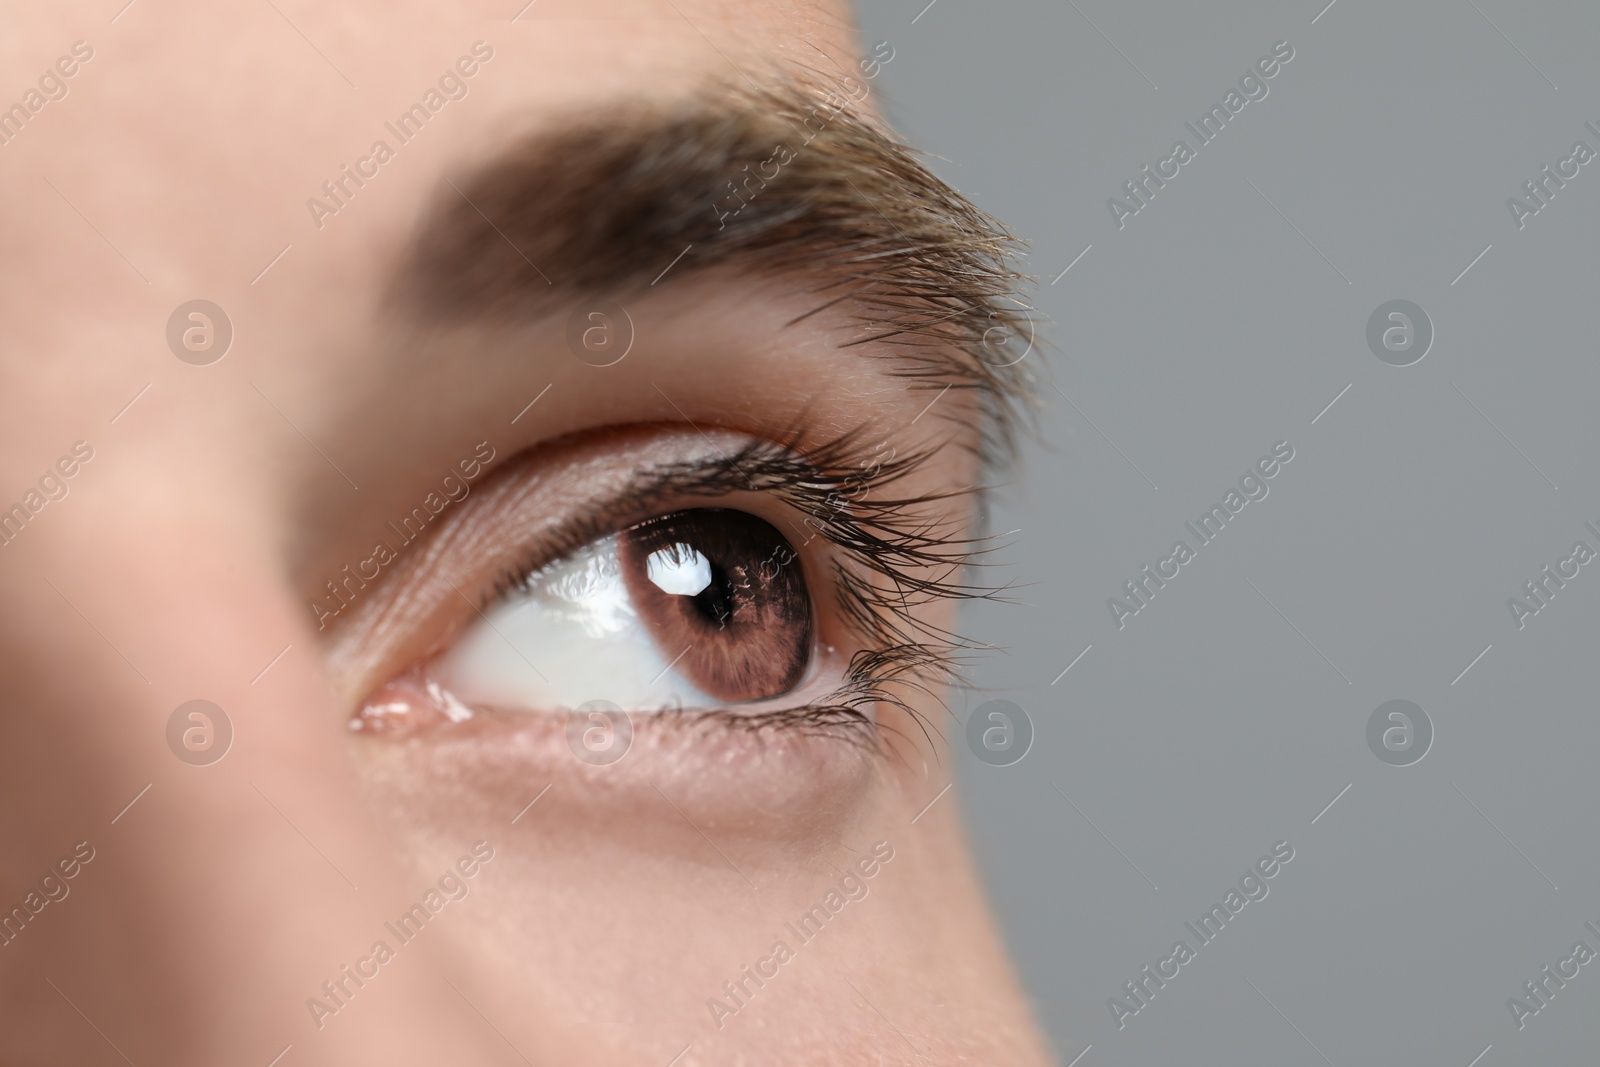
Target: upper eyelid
{"x": 778, "y": 464}
{"x": 660, "y": 489}
{"x": 761, "y": 467}
{"x": 873, "y": 534}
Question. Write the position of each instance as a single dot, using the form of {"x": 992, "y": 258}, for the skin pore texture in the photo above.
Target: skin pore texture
{"x": 221, "y": 503}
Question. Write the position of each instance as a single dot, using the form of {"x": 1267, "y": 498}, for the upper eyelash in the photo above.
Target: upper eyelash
{"x": 839, "y": 488}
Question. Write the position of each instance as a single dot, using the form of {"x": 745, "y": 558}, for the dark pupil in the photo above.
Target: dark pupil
{"x": 716, "y": 603}
{"x": 723, "y": 595}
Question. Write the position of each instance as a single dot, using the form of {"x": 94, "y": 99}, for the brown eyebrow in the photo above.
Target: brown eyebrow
{"x": 790, "y": 180}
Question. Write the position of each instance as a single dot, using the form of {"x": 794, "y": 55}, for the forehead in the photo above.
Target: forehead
{"x": 191, "y": 144}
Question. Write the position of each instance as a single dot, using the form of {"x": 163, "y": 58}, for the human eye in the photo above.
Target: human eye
{"x": 754, "y": 582}
{"x": 698, "y": 608}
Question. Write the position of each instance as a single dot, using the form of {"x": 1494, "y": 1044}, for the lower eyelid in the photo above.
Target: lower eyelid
{"x": 787, "y": 787}
{"x": 421, "y": 701}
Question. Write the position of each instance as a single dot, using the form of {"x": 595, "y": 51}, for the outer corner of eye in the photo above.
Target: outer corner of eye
{"x": 704, "y": 608}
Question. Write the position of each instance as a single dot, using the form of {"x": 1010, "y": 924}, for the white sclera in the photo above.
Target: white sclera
{"x": 573, "y": 636}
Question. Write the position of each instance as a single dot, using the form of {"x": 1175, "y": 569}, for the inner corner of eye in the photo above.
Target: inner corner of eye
{"x": 700, "y": 608}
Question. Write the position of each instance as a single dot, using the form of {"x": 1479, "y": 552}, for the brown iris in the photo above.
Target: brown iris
{"x": 724, "y": 590}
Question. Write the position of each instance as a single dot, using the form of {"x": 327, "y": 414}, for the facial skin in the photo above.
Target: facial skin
{"x": 217, "y": 506}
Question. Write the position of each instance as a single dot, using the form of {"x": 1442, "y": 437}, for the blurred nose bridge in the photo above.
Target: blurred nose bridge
{"x": 169, "y": 738}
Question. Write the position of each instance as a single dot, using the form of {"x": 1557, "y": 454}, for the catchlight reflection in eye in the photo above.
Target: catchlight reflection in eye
{"x": 696, "y": 609}
{"x": 679, "y": 569}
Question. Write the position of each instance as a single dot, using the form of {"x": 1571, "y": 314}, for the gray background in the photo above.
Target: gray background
{"x": 1192, "y": 340}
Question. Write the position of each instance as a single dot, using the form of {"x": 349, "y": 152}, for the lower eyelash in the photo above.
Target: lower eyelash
{"x": 847, "y": 714}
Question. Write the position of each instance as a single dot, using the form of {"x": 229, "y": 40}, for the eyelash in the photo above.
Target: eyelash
{"x": 880, "y": 541}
